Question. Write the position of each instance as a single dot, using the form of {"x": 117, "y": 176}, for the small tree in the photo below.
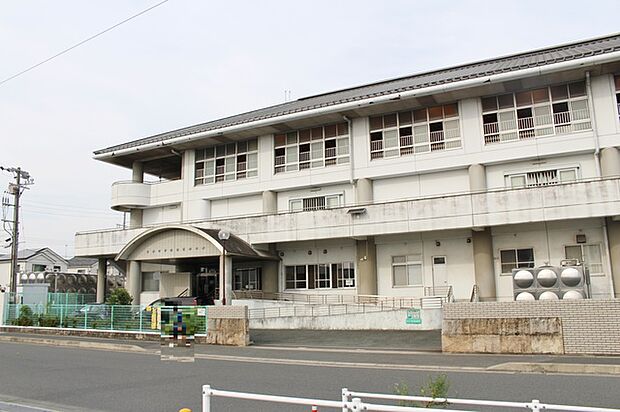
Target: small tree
{"x": 119, "y": 296}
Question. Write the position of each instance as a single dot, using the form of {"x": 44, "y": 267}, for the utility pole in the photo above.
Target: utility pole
{"x": 16, "y": 190}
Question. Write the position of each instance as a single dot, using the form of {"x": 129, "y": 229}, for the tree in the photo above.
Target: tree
{"x": 119, "y": 296}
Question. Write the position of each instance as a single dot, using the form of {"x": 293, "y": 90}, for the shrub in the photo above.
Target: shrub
{"x": 119, "y": 296}
{"x": 25, "y": 317}
{"x": 436, "y": 388}
{"x": 47, "y": 321}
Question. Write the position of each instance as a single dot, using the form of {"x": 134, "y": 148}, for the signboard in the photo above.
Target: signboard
{"x": 413, "y": 317}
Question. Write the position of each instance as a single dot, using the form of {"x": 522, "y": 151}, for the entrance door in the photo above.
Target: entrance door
{"x": 440, "y": 273}
{"x": 206, "y": 287}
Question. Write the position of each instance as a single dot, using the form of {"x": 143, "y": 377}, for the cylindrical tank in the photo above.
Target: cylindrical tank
{"x": 525, "y": 296}
{"x": 572, "y": 295}
{"x": 547, "y": 278}
{"x": 524, "y": 279}
{"x": 570, "y": 277}
{"x": 548, "y": 295}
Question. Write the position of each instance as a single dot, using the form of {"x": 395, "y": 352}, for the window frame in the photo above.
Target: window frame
{"x": 157, "y": 281}
{"x": 517, "y": 262}
{"x": 241, "y": 277}
{"x": 406, "y": 144}
{"x": 588, "y": 264}
{"x": 525, "y": 174}
{"x": 292, "y": 144}
{"x": 419, "y": 261}
{"x": 222, "y": 152}
{"x": 300, "y": 201}
{"x": 535, "y": 129}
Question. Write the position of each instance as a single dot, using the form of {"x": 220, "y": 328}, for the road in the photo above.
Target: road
{"x": 72, "y": 379}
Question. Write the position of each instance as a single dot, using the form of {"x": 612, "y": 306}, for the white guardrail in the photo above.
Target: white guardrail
{"x": 352, "y": 401}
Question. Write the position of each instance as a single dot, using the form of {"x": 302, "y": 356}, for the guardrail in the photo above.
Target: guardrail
{"x": 326, "y": 310}
{"x": 327, "y": 299}
{"x": 352, "y": 401}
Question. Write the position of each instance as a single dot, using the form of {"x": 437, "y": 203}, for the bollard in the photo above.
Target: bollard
{"x": 185, "y": 410}
{"x": 315, "y": 409}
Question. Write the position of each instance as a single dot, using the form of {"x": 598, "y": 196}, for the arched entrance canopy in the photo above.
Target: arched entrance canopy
{"x": 185, "y": 241}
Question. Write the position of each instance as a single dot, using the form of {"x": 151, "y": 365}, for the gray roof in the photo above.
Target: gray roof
{"x": 75, "y": 262}
{"x": 23, "y": 254}
{"x": 536, "y": 58}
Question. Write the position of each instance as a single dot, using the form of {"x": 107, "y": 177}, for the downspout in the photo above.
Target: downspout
{"x": 597, "y": 163}
{"x": 350, "y": 126}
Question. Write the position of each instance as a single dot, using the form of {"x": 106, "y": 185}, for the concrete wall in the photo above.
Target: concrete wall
{"x": 588, "y": 326}
{"x": 228, "y": 325}
{"x": 387, "y": 320}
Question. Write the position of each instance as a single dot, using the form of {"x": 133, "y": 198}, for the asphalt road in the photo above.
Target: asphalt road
{"x": 94, "y": 380}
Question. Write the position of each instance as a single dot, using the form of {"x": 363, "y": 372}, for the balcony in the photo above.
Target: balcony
{"x": 576, "y": 200}
{"x": 127, "y": 195}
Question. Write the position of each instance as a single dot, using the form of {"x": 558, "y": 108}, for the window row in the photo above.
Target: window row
{"x": 247, "y": 279}
{"x": 542, "y": 177}
{"x": 541, "y": 112}
{"x": 226, "y": 162}
{"x": 320, "y": 276}
{"x": 590, "y": 254}
{"x": 418, "y": 131}
{"x": 310, "y": 148}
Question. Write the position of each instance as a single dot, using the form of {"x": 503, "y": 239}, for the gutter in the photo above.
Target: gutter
{"x": 350, "y": 126}
{"x": 496, "y": 78}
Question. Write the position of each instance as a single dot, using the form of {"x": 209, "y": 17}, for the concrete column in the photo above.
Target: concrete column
{"x": 134, "y": 280}
{"x": 226, "y": 293}
{"x": 366, "y": 266}
{"x": 613, "y": 234}
{"x": 270, "y": 202}
{"x": 3, "y": 298}
{"x": 270, "y": 276}
{"x": 484, "y": 268}
{"x": 477, "y": 178}
{"x": 363, "y": 191}
{"x": 137, "y": 169}
{"x": 135, "y": 218}
{"x": 102, "y": 269}
{"x": 610, "y": 162}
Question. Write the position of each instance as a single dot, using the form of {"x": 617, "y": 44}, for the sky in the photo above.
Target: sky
{"x": 189, "y": 61}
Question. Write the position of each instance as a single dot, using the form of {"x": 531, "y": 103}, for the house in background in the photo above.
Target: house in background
{"x": 445, "y": 179}
{"x": 32, "y": 261}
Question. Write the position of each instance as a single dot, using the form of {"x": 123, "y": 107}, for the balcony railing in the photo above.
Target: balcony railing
{"x": 376, "y": 145}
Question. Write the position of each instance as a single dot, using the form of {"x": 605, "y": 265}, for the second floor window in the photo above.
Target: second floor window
{"x": 542, "y": 112}
{"x": 227, "y": 162}
{"x": 542, "y": 177}
{"x": 311, "y": 148}
{"x": 315, "y": 203}
{"x": 516, "y": 258}
{"x": 418, "y": 131}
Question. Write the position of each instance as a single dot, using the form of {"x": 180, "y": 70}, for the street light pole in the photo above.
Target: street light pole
{"x": 223, "y": 236}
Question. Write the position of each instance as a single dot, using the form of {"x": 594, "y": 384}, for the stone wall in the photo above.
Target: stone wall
{"x": 228, "y": 325}
{"x": 587, "y": 326}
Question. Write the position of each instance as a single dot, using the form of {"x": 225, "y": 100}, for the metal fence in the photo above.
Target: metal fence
{"x": 352, "y": 401}
{"x": 129, "y": 318}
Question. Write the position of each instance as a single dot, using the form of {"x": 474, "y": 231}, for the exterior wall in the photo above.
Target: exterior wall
{"x": 236, "y": 206}
{"x": 5, "y": 274}
{"x": 161, "y": 215}
{"x": 588, "y": 326}
{"x": 346, "y": 190}
{"x": 407, "y": 187}
{"x": 548, "y": 242}
{"x": 453, "y": 245}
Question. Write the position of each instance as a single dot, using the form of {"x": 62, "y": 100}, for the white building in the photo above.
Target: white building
{"x": 29, "y": 262}
{"x": 451, "y": 177}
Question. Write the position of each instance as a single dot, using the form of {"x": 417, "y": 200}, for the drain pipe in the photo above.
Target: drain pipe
{"x": 597, "y": 163}
{"x": 597, "y": 146}
{"x": 350, "y": 126}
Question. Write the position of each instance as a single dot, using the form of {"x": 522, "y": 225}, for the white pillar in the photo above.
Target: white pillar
{"x": 228, "y": 279}
{"x": 137, "y": 172}
{"x": 484, "y": 268}
{"x": 477, "y": 178}
{"x": 366, "y": 266}
{"x": 610, "y": 162}
{"x": 135, "y": 218}
{"x": 270, "y": 202}
{"x": 102, "y": 269}
{"x": 3, "y": 298}
{"x": 134, "y": 280}
{"x": 363, "y": 191}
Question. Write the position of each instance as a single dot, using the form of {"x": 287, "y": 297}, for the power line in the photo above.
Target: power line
{"x": 82, "y": 42}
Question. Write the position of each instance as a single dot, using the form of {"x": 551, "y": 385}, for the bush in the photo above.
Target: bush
{"x": 25, "y": 317}
{"x": 119, "y": 296}
{"x": 436, "y": 388}
{"x": 47, "y": 321}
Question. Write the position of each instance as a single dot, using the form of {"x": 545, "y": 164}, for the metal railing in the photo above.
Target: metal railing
{"x": 352, "y": 401}
{"x": 129, "y": 318}
{"x": 328, "y": 309}
{"x": 327, "y": 299}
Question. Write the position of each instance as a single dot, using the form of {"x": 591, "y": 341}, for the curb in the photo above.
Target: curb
{"x": 563, "y": 368}
{"x": 73, "y": 343}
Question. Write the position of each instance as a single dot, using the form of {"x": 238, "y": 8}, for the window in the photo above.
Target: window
{"x": 150, "y": 281}
{"x": 419, "y": 131}
{"x": 542, "y": 112}
{"x": 516, "y": 258}
{"x": 320, "y": 276}
{"x": 588, "y": 254}
{"x": 617, "y": 82}
{"x": 542, "y": 177}
{"x": 38, "y": 268}
{"x": 345, "y": 274}
{"x": 56, "y": 268}
{"x": 227, "y": 162}
{"x": 315, "y": 203}
{"x": 407, "y": 270}
{"x": 81, "y": 271}
{"x": 248, "y": 279}
{"x": 310, "y": 148}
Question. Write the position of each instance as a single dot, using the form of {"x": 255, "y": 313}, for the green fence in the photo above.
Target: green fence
{"x": 133, "y": 318}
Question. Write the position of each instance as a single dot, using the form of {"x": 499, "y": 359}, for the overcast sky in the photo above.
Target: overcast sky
{"x": 187, "y": 62}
